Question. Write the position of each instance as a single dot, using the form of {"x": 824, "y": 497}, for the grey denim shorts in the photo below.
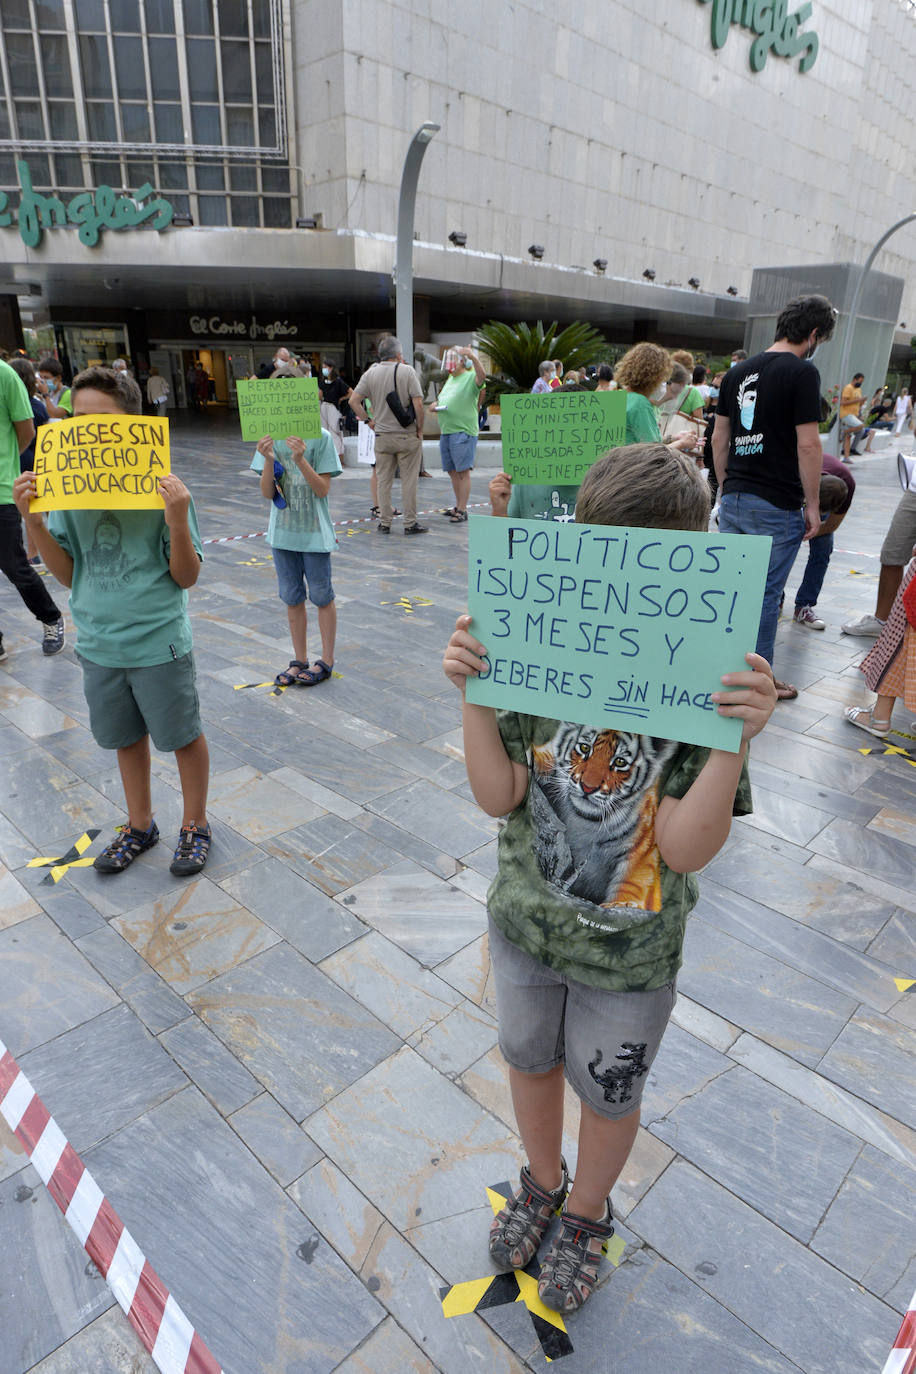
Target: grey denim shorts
{"x": 606, "y": 1040}
{"x": 897, "y": 548}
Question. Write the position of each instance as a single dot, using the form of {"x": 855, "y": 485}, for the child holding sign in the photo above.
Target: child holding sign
{"x": 593, "y": 887}
{"x": 128, "y": 571}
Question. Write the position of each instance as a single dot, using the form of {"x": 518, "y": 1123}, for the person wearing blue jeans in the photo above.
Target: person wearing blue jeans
{"x": 767, "y": 451}
{"x": 836, "y": 492}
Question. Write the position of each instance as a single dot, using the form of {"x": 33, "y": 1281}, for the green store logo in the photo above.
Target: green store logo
{"x": 777, "y": 30}
{"x": 92, "y": 211}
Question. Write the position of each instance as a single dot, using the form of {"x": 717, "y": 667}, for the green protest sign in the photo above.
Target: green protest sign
{"x": 279, "y": 406}
{"x": 626, "y": 629}
{"x": 556, "y": 438}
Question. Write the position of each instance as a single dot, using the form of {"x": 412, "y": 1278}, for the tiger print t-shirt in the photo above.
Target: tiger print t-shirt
{"x": 580, "y": 884}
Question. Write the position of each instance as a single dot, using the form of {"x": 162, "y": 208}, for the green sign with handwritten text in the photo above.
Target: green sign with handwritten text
{"x": 90, "y": 211}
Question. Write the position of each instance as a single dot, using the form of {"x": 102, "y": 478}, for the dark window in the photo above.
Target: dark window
{"x": 233, "y": 18}
{"x": 160, "y": 16}
{"x": 210, "y": 177}
{"x": 169, "y": 126}
{"x": 275, "y": 179}
{"x": 8, "y": 171}
{"x": 239, "y": 128}
{"x": 125, "y": 15}
{"x": 40, "y": 170}
{"x": 49, "y": 14}
{"x": 261, "y": 21}
{"x": 245, "y": 211}
{"x": 163, "y": 61}
{"x": 243, "y": 178}
{"x": 198, "y": 16}
{"x": 173, "y": 176}
{"x": 268, "y": 126}
{"x": 16, "y": 15}
{"x": 276, "y": 212}
{"x": 55, "y": 59}
{"x": 20, "y": 51}
{"x": 135, "y": 123}
{"x": 205, "y": 122}
{"x": 63, "y": 120}
{"x": 212, "y": 209}
{"x": 5, "y": 131}
{"x": 264, "y": 69}
{"x": 90, "y": 14}
{"x": 28, "y": 117}
{"x": 68, "y": 169}
{"x": 138, "y": 173}
{"x": 202, "y": 69}
{"x": 101, "y": 121}
{"x": 180, "y": 205}
{"x": 236, "y": 73}
{"x": 96, "y": 71}
{"x": 106, "y": 172}
{"x": 129, "y": 69}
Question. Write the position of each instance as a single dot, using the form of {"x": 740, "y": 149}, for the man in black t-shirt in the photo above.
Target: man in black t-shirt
{"x": 767, "y": 450}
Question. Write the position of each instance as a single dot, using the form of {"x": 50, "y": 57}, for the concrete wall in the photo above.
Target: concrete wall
{"x": 614, "y": 130}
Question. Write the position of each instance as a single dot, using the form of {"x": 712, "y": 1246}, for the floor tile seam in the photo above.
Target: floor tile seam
{"x": 792, "y": 777}
{"x": 695, "y": 1092}
{"x": 429, "y": 1023}
{"x": 432, "y": 1368}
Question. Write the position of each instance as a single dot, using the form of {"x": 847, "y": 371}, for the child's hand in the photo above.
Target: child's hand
{"x": 500, "y": 490}
{"x": 266, "y": 448}
{"x": 177, "y": 499}
{"x": 296, "y": 447}
{"x": 24, "y": 488}
{"x": 464, "y": 655}
{"x": 755, "y": 697}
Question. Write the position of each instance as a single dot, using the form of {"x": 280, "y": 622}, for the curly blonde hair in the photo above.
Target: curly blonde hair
{"x": 643, "y": 367}
{"x": 685, "y": 358}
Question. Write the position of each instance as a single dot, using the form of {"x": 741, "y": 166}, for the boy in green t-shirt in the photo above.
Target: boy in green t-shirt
{"x": 128, "y": 572}
{"x": 594, "y": 882}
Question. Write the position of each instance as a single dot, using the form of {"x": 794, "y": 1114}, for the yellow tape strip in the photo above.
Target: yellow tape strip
{"x": 904, "y": 983}
{"x": 58, "y": 872}
{"x": 462, "y": 1298}
{"x": 528, "y": 1294}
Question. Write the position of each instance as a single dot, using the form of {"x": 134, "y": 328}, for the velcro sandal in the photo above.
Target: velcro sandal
{"x": 569, "y": 1275}
{"x": 192, "y": 851}
{"x": 518, "y": 1228}
{"x": 125, "y": 847}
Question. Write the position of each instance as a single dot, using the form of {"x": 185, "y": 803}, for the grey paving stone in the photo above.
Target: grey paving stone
{"x": 46, "y": 986}
{"x": 834, "y": 768}
{"x": 895, "y": 944}
{"x": 887, "y": 858}
{"x": 407, "y": 845}
{"x": 257, "y": 806}
{"x": 873, "y": 1057}
{"x": 340, "y": 1212}
{"x": 108, "y": 1345}
{"x": 300, "y": 1035}
{"x": 439, "y": 817}
{"x": 423, "y": 914}
{"x": 423, "y": 762}
{"x": 817, "y": 794}
{"x": 779, "y": 1156}
{"x": 683, "y": 1065}
{"x": 355, "y": 773}
{"x": 858, "y": 975}
{"x": 15, "y": 903}
{"x": 789, "y": 1010}
{"x": 457, "y": 1040}
{"x": 15, "y": 849}
{"x": 842, "y": 910}
{"x": 48, "y": 800}
{"x": 469, "y": 971}
{"x": 157, "y": 1006}
{"x": 194, "y": 933}
{"x": 484, "y": 859}
{"x": 283, "y": 1299}
{"x": 867, "y": 1231}
{"x": 889, "y": 892}
{"x": 392, "y": 985}
{"x": 299, "y": 782}
{"x": 211, "y": 1067}
{"x": 96, "y": 1078}
{"x": 301, "y": 914}
{"x": 68, "y": 909}
{"x": 275, "y": 1138}
{"x": 47, "y": 1293}
{"x": 389, "y": 1350}
{"x": 812, "y": 1314}
{"x": 13, "y": 1157}
{"x": 331, "y": 855}
{"x": 114, "y": 893}
{"x": 703, "y": 1024}
{"x": 785, "y": 817}
{"x": 408, "y": 1138}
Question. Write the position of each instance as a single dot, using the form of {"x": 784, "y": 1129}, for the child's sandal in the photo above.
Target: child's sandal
{"x": 290, "y": 679}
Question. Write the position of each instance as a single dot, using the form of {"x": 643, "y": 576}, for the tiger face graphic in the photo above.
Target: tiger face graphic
{"x": 595, "y": 798}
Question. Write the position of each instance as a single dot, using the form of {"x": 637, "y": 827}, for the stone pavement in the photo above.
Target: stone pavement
{"x": 284, "y": 1073}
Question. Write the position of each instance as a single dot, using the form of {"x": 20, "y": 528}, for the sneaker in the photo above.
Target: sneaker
{"x": 569, "y": 1275}
{"x": 192, "y": 852}
{"x": 518, "y": 1229}
{"x": 416, "y": 529}
{"x": 382, "y": 529}
{"x": 125, "y": 847}
{"x": 804, "y": 615}
{"x": 866, "y": 625}
{"x": 53, "y": 640}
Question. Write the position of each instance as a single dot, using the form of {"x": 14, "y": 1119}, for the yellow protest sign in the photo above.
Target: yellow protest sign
{"x": 101, "y": 462}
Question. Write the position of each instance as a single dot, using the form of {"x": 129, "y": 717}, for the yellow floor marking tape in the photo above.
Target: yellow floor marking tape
{"x": 904, "y": 983}
{"x": 71, "y": 859}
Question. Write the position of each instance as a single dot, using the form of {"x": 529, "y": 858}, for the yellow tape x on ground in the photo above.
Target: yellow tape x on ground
{"x": 72, "y": 859}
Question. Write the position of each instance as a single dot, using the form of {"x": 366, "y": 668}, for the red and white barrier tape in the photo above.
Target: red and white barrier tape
{"x": 902, "y": 1359}
{"x": 154, "y": 1314}
{"x": 338, "y": 524}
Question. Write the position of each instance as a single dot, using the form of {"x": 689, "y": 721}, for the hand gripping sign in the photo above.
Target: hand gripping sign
{"x": 612, "y": 627}
{"x": 101, "y": 462}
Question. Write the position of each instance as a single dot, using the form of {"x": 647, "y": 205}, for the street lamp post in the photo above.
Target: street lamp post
{"x": 403, "y": 263}
{"x": 854, "y": 309}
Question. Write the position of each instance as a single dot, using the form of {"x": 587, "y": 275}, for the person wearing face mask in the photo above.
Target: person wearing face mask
{"x": 767, "y": 450}
{"x": 457, "y": 407}
{"x": 49, "y": 387}
{"x": 546, "y": 374}
{"x": 333, "y": 392}
{"x": 643, "y": 374}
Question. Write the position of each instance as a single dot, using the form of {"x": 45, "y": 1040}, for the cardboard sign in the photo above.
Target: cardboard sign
{"x": 279, "y": 406}
{"x": 101, "y": 462}
{"x": 556, "y": 438}
{"x": 365, "y": 443}
{"x": 627, "y": 629}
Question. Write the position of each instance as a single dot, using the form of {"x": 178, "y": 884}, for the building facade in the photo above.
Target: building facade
{"x": 185, "y": 179}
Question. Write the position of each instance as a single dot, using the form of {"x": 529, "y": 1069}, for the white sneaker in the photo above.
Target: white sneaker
{"x": 804, "y": 615}
{"x": 868, "y": 625}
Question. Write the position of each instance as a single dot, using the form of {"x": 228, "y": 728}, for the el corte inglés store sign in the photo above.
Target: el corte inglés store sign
{"x": 91, "y": 211}
{"x": 777, "y": 30}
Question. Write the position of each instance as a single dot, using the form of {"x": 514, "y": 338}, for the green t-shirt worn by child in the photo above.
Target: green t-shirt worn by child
{"x": 542, "y": 503}
{"x": 128, "y": 610}
{"x": 580, "y": 884}
{"x": 461, "y": 397}
{"x": 14, "y": 406}
{"x": 304, "y": 526}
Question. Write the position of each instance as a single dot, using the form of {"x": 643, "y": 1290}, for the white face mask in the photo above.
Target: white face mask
{"x": 659, "y": 394}
{"x": 325, "y": 372}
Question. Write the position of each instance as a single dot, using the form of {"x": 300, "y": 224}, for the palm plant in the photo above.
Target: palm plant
{"x": 517, "y": 350}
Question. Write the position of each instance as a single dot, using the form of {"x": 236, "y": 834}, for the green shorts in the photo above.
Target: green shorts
{"x": 127, "y": 703}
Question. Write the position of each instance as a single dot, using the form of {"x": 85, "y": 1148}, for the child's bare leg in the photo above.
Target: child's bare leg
{"x": 194, "y": 771}
{"x": 327, "y": 625}
{"x": 538, "y": 1102}
{"x": 133, "y": 765}
{"x": 604, "y": 1147}
{"x": 298, "y": 626}
{"x": 882, "y": 710}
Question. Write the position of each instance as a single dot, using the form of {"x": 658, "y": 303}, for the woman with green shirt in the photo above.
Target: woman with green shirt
{"x": 643, "y": 373}
{"x": 457, "y": 408}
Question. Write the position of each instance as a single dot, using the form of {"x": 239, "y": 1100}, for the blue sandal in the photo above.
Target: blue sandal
{"x": 317, "y": 674}
{"x": 288, "y": 679}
